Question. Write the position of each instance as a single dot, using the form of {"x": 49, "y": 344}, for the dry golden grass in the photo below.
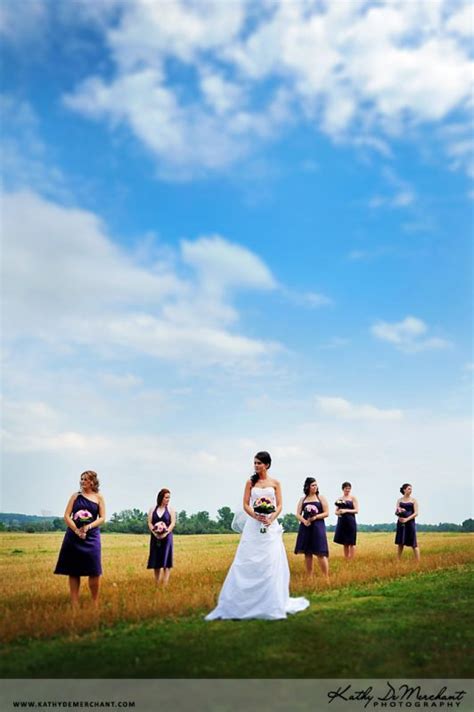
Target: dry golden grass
{"x": 35, "y": 603}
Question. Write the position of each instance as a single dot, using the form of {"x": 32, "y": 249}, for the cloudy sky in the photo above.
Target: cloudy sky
{"x": 234, "y": 226}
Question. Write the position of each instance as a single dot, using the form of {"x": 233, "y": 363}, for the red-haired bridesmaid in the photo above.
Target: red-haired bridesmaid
{"x": 161, "y": 522}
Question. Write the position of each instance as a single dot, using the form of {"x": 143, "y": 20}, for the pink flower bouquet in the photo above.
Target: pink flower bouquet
{"x": 82, "y": 517}
{"x": 310, "y": 510}
{"x": 159, "y": 529}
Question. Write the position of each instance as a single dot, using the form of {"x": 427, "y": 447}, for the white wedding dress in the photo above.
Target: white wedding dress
{"x": 257, "y": 583}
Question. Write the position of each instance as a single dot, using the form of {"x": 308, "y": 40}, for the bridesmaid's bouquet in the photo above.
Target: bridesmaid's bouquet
{"x": 310, "y": 510}
{"x": 82, "y": 517}
{"x": 263, "y": 505}
{"x": 159, "y": 529}
{"x": 401, "y": 512}
{"x": 340, "y": 504}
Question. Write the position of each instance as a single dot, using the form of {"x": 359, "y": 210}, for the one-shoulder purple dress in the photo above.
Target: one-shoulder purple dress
{"x": 81, "y": 557}
{"x": 406, "y": 533}
{"x": 161, "y": 550}
{"x": 312, "y": 539}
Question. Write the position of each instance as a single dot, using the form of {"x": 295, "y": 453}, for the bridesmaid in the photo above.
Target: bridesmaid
{"x": 80, "y": 550}
{"x": 311, "y": 511}
{"x": 346, "y": 529}
{"x": 161, "y": 544}
{"x": 406, "y": 511}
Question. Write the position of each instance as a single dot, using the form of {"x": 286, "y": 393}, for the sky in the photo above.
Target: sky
{"x": 231, "y": 227}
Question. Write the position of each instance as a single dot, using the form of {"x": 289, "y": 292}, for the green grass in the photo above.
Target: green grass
{"x": 417, "y": 626}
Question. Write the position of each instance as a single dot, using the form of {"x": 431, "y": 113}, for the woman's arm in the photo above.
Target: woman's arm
{"x": 299, "y": 513}
{"x": 100, "y": 519}
{"x": 173, "y": 520}
{"x": 68, "y": 518}
{"x": 149, "y": 521}
{"x": 325, "y": 512}
{"x": 355, "y": 507}
{"x": 415, "y": 511}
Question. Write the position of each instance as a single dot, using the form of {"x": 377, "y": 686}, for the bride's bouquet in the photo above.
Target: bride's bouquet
{"x": 263, "y": 505}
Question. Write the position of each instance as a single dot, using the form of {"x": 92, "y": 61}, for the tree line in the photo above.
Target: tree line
{"x": 134, "y": 521}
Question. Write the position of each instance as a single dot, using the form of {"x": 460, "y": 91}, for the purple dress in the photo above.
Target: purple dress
{"x": 161, "y": 550}
{"x": 406, "y": 533}
{"x": 81, "y": 557}
{"x": 312, "y": 539}
{"x": 346, "y": 527}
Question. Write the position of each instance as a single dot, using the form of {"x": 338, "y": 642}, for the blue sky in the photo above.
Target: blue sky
{"x": 230, "y": 229}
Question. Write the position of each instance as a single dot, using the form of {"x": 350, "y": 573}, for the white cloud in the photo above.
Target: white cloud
{"x": 221, "y": 265}
{"x": 400, "y": 200}
{"x": 401, "y": 193}
{"x": 408, "y": 335}
{"x": 68, "y": 284}
{"x": 341, "y": 408}
{"x": 461, "y": 21}
{"x": 351, "y": 69}
{"x": 187, "y": 138}
{"x": 423, "y": 448}
{"x": 36, "y": 427}
{"x": 124, "y": 381}
{"x": 459, "y": 147}
{"x": 19, "y": 24}
{"x": 26, "y": 160}
{"x": 311, "y": 300}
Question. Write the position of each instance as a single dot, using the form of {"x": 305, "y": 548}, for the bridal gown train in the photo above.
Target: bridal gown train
{"x": 257, "y": 583}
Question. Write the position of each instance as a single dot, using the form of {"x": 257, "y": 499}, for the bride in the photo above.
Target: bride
{"x": 257, "y": 583}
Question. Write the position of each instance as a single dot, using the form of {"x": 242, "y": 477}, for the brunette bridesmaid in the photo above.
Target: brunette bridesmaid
{"x": 406, "y": 511}
{"x": 80, "y": 553}
{"x": 347, "y": 507}
{"x": 311, "y": 511}
{"x": 161, "y": 522}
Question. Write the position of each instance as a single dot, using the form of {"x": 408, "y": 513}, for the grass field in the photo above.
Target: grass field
{"x": 376, "y": 617}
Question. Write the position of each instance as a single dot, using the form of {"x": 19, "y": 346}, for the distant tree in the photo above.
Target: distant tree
{"x": 447, "y": 527}
{"x": 131, "y": 521}
{"x": 290, "y": 523}
{"x": 468, "y": 525}
{"x": 182, "y": 517}
{"x": 225, "y": 517}
{"x": 201, "y": 524}
{"x": 59, "y": 525}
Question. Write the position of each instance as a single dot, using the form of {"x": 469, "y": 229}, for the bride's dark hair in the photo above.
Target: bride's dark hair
{"x": 265, "y": 458}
